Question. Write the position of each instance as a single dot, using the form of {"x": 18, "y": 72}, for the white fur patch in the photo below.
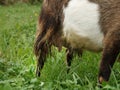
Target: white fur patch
{"x": 81, "y": 25}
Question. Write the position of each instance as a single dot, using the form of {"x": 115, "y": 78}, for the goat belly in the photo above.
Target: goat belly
{"x": 81, "y": 25}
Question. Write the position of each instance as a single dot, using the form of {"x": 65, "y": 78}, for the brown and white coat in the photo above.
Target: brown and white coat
{"x": 79, "y": 25}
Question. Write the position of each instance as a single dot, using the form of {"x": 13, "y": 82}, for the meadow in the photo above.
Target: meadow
{"x": 18, "y": 62}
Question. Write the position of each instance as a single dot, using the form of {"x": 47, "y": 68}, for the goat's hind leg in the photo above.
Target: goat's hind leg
{"x": 41, "y": 59}
{"x": 110, "y": 53}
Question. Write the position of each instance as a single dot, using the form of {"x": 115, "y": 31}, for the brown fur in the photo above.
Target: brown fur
{"x": 50, "y": 33}
{"x": 110, "y": 26}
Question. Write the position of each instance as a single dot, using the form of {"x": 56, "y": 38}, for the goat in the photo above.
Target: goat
{"x": 79, "y": 25}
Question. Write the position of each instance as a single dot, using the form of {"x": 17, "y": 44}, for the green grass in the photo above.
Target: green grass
{"x": 18, "y": 63}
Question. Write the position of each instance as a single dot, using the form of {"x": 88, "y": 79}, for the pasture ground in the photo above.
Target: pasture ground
{"x": 18, "y": 63}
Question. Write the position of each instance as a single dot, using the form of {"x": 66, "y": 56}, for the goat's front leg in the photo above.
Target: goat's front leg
{"x": 110, "y": 53}
{"x": 41, "y": 59}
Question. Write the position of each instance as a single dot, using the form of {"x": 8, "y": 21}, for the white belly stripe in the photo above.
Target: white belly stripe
{"x": 81, "y": 25}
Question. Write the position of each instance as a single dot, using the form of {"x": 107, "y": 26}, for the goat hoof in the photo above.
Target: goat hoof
{"x": 101, "y": 79}
{"x": 38, "y": 73}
